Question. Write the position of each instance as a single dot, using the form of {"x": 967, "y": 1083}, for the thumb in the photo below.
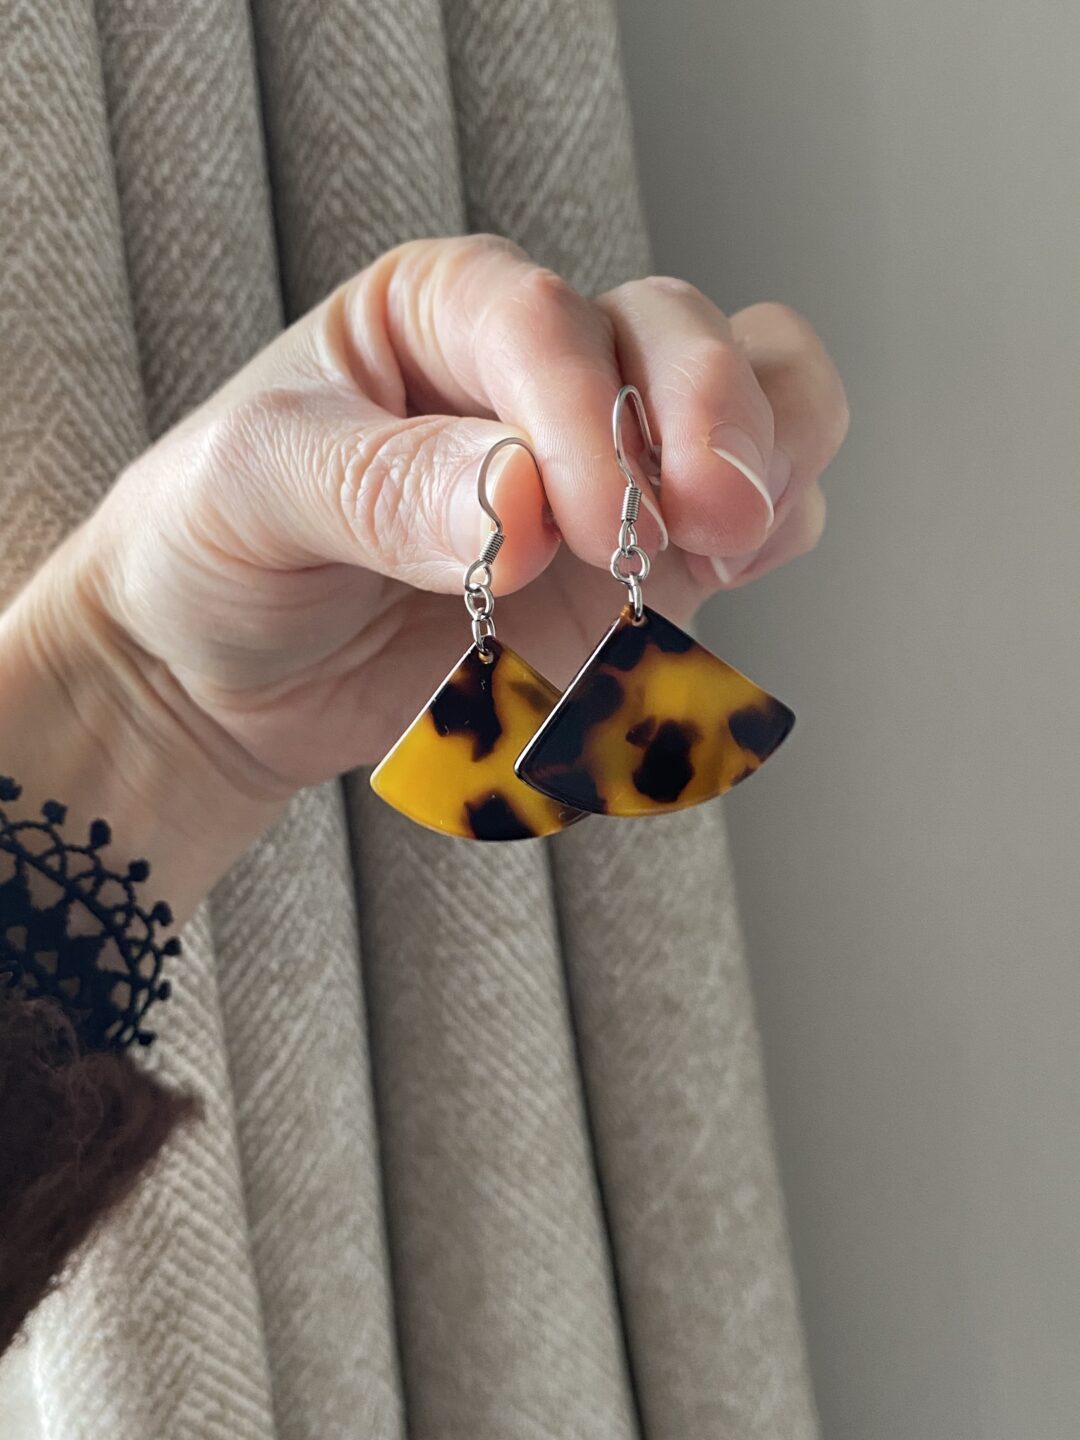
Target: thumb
{"x": 412, "y": 503}
{"x": 303, "y": 476}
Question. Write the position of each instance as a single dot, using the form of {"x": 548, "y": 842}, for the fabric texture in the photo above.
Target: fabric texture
{"x": 484, "y": 1153}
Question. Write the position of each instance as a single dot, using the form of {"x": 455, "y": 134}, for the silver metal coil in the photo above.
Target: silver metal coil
{"x": 492, "y": 548}
{"x": 631, "y": 504}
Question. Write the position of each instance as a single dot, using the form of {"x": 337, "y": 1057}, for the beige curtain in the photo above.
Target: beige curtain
{"x": 485, "y": 1155}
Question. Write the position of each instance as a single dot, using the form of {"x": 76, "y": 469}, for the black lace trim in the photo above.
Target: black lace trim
{"x": 105, "y": 969}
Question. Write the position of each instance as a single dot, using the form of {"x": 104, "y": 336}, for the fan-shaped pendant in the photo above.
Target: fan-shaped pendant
{"x": 453, "y": 769}
{"x": 652, "y": 722}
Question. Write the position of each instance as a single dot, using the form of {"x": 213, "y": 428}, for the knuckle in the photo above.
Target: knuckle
{"x": 830, "y": 413}
{"x": 433, "y": 250}
{"x": 814, "y": 512}
{"x": 408, "y": 250}
{"x": 240, "y": 463}
{"x": 543, "y": 296}
{"x": 454, "y": 259}
{"x": 243, "y": 439}
{"x": 709, "y": 363}
{"x": 539, "y": 316}
{"x": 416, "y": 263}
{"x": 629, "y": 295}
{"x": 806, "y": 385}
{"x": 484, "y": 244}
{"x": 475, "y": 269}
{"x": 779, "y": 318}
{"x": 672, "y": 286}
{"x": 327, "y": 353}
{"x": 800, "y": 377}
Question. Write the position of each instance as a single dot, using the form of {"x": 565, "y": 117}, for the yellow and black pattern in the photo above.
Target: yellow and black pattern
{"x": 652, "y": 722}
{"x": 453, "y": 769}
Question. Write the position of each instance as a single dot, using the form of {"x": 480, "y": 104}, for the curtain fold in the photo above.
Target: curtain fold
{"x": 297, "y": 1038}
{"x": 485, "y": 1152}
{"x": 169, "y": 1293}
{"x": 508, "y": 1320}
{"x": 197, "y": 232}
{"x": 491, "y": 1352}
{"x": 360, "y": 132}
{"x": 672, "y": 1070}
{"x": 71, "y": 407}
{"x": 158, "y": 1332}
{"x": 188, "y": 141}
{"x": 544, "y": 134}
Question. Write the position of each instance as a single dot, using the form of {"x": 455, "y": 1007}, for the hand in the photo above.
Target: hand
{"x": 276, "y": 584}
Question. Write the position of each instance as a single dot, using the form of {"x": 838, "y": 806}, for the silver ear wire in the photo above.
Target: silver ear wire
{"x": 633, "y": 394}
{"x": 628, "y": 547}
{"x": 479, "y": 599}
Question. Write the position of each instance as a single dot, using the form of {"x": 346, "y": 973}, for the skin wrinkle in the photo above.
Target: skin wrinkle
{"x": 366, "y": 646}
{"x": 425, "y": 315}
{"x": 385, "y": 493}
{"x": 334, "y": 343}
{"x": 425, "y": 283}
{"x": 268, "y": 431}
{"x": 543, "y": 327}
{"x": 365, "y": 339}
{"x": 480, "y": 338}
{"x": 683, "y": 369}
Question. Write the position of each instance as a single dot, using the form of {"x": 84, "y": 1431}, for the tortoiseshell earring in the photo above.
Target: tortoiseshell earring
{"x": 453, "y": 769}
{"x": 652, "y": 721}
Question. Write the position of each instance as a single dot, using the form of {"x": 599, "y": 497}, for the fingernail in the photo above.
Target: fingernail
{"x": 730, "y": 567}
{"x": 738, "y": 449}
{"x": 650, "y": 505}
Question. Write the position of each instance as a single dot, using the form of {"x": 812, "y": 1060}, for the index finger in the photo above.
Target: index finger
{"x": 472, "y": 326}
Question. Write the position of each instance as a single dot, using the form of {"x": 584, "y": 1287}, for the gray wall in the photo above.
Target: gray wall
{"x": 908, "y": 176}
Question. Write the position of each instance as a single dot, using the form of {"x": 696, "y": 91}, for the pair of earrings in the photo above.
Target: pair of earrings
{"x": 652, "y": 722}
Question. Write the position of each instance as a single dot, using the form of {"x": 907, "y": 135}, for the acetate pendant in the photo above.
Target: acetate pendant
{"x": 652, "y": 722}
{"x": 453, "y": 769}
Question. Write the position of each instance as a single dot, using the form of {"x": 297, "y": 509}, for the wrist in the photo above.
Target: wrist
{"x": 90, "y": 719}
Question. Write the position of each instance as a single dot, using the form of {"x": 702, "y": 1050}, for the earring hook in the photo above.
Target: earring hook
{"x": 479, "y": 598}
{"x": 633, "y": 394}
{"x": 485, "y": 466}
{"x": 628, "y": 550}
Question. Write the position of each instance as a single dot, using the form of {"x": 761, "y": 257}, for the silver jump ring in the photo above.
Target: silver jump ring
{"x": 631, "y": 552}
{"x": 480, "y": 602}
{"x": 483, "y": 630}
